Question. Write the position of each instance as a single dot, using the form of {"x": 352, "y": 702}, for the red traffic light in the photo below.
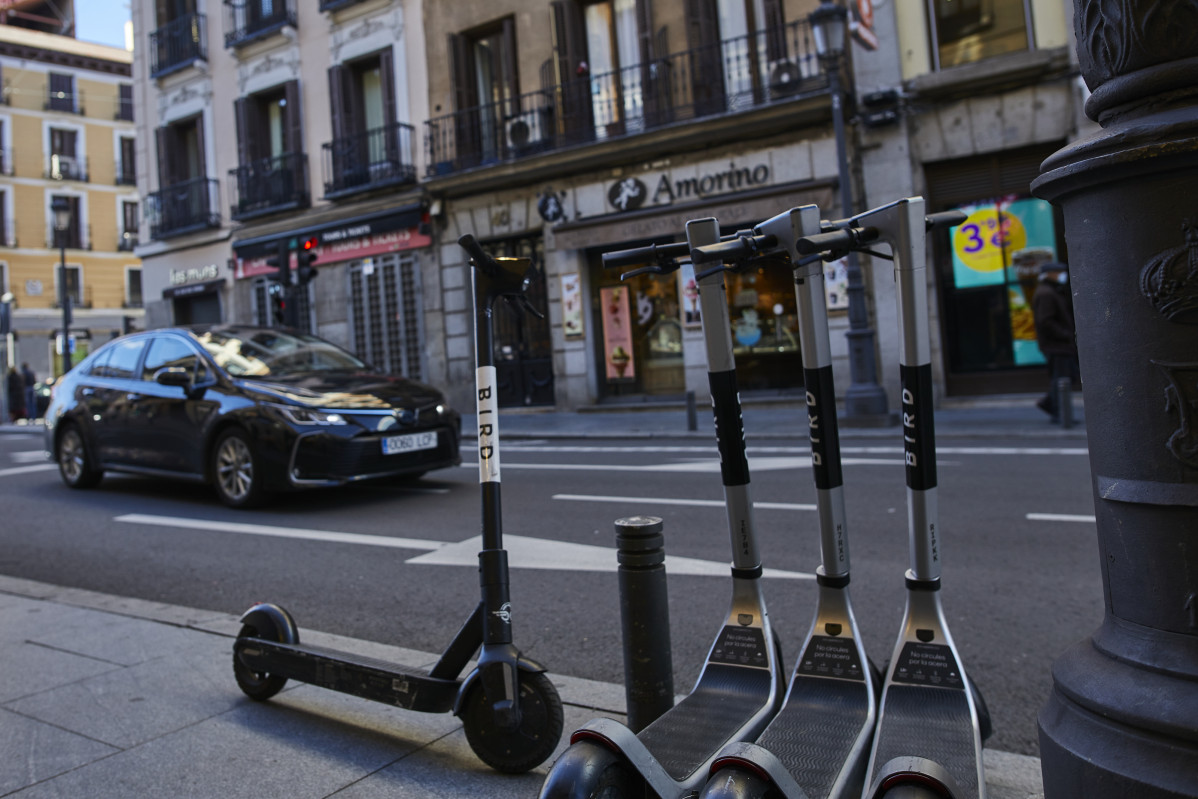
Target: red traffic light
{"x": 310, "y": 243}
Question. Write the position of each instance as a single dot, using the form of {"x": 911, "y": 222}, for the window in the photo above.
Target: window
{"x": 62, "y": 93}
{"x": 7, "y": 238}
{"x": 133, "y": 297}
{"x": 965, "y": 31}
{"x": 386, "y": 314}
{"x": 124, "y": 108}
{"x": 181, "y": 152}
{"x": 123, "y": 361}
{"x": 71, "y": 237}
{"x": 187, "y": 198}
{"x": 370, "y": 146}
{"x": 65, "y": 163}
{"x": 74, "y": 284}
{"x": 735, "y": 45}
{"x": 130, "y": 222}
{"x": 126, "y": 174}
{"x": 273, "y": 171}
{"x": 167, "y": 352}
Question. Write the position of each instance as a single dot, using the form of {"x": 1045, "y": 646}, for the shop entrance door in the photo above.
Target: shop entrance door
{"x": 523, "y": 347}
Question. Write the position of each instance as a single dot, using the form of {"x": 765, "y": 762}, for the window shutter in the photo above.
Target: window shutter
{"x": 569, "y": 46}
{"x": 460, "y": 74}
{"x": 241, "y": 114}
{"x": 703, "y": 39}
{"x": 337, "y": 101}
{"x": 201, "y": 166}
{"x": 774, "y": 26}
{"x": 294, "y": 143}
{"x": 390, "y": 118}
{"x": 166, "y": 175}
{"x": 511, "y": 76}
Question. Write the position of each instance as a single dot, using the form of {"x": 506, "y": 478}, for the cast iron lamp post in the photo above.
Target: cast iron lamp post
{"x": 864, "y": 397}
{"x": 62, "y": 220}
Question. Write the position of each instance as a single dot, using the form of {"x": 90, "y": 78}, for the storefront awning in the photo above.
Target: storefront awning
{"x": 403, "y": 217}
{"x": 744, "y": 208}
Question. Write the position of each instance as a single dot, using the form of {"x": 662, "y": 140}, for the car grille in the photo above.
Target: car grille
{"x": 323, "y": 457}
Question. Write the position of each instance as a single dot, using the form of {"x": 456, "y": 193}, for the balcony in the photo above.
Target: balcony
{"x": 6, "y": 163}
{"x": 178, "y": 44}
{"x": 250, "y": 20}
{"x": 127, "y": 241}
{"x": 126, "y": 174}
{"x": 74, "y": 237}
{"x": 269, "y": 185}
{"x": 66, "y": 167}
{"x": 70, "y": 102}
{"x": 734, "y": 76}
{"x": 372, "y": 160}
{"x": 183, "y": 208}
{"x": 8, "y": 235}
{"x": 79, "y": 299}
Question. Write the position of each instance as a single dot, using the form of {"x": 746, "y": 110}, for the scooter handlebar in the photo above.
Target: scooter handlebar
{"x": 656, "y": 254}
{"x": 944, "y": 219}
{"x": 734, "y": 249}
{"x": 844, "y": 239}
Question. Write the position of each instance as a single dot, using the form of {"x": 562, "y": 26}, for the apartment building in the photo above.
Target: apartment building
{"x": 66, "y": 139}
{"x": 270, "y": 123}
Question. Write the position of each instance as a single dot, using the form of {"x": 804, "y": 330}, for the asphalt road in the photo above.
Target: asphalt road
{"x": 1019, "y": 586}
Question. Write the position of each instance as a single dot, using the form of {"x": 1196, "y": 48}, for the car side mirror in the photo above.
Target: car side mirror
{"x": 173, "y": 376}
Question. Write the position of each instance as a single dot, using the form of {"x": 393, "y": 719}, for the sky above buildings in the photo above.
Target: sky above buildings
{"x": 101, "y": 21}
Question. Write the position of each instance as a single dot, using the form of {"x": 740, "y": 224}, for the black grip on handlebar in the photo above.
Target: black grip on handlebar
{"x": 654, "y": 253}
{"x": 822, "y": 242}
{"x": 478, "y": 254}
{"x": 734, "y": 249}
{"x": 944, "y": 219}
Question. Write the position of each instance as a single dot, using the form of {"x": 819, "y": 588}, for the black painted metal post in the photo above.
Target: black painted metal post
{"x": 644, "y": 619}
{"x": 1121, "y": 719}
{"x": 692, "y": 412}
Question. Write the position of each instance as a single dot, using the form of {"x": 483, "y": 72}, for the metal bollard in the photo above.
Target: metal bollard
{"x": 1065, "y": 401}
{"x": 644, "y": 619}
{"x": 692, "y": 415}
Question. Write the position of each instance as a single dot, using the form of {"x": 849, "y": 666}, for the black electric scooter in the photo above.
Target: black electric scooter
{"x": 740, "y": 687}
{"x": 510, "y": 710}
{"x": 818, "y": 744}
{"x": 932, "y": 721}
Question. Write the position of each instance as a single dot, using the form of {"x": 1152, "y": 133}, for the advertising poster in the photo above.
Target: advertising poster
{"x": 836, "y": 284}
{"x": 572, "y": 305}
{"x": 1002, "y": 243}
{"x": 689, "y": 289}
{"x": 617, "y": 334}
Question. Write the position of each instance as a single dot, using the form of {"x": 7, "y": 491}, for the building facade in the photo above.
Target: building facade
{"x": 66, "y": 136}
{"x": 272, "y": 123}
{"x": 560, "y": 130}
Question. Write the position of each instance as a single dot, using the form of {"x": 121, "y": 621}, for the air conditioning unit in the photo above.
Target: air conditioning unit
{"x": 63, "y": 166}
{"x": 528, "y": 131}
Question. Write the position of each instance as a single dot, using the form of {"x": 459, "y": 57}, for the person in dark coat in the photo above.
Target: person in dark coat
{"x": 30, "y": 396}
{"x": 1052, "y": 308}
{"x": 14, "y": 385}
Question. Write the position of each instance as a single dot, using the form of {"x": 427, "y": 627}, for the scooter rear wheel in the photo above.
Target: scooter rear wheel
{"x": 257, "y": 686}
{"x": 532, "y": 742}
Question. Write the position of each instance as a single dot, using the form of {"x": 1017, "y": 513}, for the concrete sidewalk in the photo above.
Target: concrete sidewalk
{"x": 105, "y": 696}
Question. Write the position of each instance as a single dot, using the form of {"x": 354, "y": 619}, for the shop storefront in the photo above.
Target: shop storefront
{"x": 987, "y": 269}
{"x": 648, "y": 340}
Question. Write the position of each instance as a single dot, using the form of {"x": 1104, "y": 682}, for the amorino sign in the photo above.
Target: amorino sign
{"x": 667, "y": 188}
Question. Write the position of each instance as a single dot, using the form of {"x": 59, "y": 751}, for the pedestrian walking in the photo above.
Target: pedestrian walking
{"x": 1052, "y": 308}
{"x": 30, "y": 398}
{"x": 14, "y": 385}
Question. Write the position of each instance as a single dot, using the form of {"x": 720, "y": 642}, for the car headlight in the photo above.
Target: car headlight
{"x": 298, "y": 415}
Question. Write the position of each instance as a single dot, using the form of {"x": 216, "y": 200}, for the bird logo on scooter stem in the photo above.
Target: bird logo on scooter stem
{"x": 504, "y": 613}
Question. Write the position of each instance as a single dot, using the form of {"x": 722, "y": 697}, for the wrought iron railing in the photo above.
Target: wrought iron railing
{"x": 249, "y": 20}
{"x": 269, "y": 184}
{"x": 75, "y": 237}
{"x": 184, "y": 208}
{"x": 70, "y": 102}
{"x": 126, "y": 173}
{"x": 729, "y": 77}
{"x": 335, "y": 5}
{"x": 178, "y": 44}
{"x": 66, "y": 167}
{"x": 8, "y": 234}
{"x": 370, "y": 160}
{"x": 127, "y": 241}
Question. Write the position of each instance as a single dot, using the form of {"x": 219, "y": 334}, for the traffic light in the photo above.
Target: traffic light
{"x": 304, "y": 269}
{"x": 278, "y": 305}
{"x": 280, "y": 264}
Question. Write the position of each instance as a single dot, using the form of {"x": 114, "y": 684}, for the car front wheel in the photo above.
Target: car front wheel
{"x": 235, "y": 471}
{"x": 74, "y": 461}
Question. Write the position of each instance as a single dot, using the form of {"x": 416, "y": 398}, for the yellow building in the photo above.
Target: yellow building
{"x": 66, "y": 139}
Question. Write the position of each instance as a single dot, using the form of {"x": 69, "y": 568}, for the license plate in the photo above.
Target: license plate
{"x": 412, "y": 442}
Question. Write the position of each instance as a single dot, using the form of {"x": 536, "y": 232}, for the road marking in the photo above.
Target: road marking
{"x": 41, "y": 467}
{"x": 280, "y": 532}
{"x": 523, "y": 551}
{"x": 30, "y": 456}
{"x": 1060, "y": 517}
{"x": 700, "y": 503}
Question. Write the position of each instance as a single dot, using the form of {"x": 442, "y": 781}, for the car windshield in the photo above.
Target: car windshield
{"x": 258, "y": 353}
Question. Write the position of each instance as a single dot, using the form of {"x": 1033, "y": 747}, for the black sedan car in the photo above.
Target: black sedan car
{"x": 249, "y": 410}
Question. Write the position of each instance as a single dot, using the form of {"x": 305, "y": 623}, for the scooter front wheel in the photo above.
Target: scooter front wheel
{"x": 532, "y": 742}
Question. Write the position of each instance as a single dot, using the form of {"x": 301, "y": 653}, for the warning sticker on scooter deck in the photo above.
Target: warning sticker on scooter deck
{"x": 831, "y": 657}
{"x": 740, "y": 646}
{"x": 928, "y": 664}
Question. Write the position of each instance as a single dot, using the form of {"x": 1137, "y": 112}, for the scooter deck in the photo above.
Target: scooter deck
{"x": 930, "y": 722}
{"x": 367, "y": 677}
{"x": 817, "y": 730}
{"x": 724, "y": 701}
